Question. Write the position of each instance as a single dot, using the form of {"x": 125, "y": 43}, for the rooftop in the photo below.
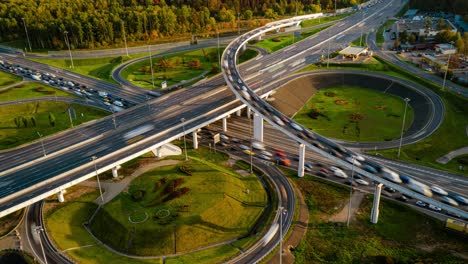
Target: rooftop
{"x": 353, "y": 50}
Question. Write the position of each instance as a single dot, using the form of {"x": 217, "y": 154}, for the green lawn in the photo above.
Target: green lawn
{"x": 65, "y": 227}
{"x": 402, "y": 235}
{"x": 10, "y": 221}
{"x": 31, "y": 90}
{"x": 175, "y": 68}
{"x": 12, "y": 136}
{"x": 318, "y": 21}
{"x": 276, "y": 43}
{"x": 8, "y": 79}
{"x": 359, "y": 41}
{"x": 424, "y": 152}
{"x": 354, "y": 114}
{"x": 216, "y": 208}
{"x": 99, "y": 68}
{"x": 379, "y": 36}
{"x": 247, "y": 55}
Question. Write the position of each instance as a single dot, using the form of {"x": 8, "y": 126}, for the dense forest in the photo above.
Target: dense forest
{"x": 102, "y": 23}
{"x": 454, "y": 6}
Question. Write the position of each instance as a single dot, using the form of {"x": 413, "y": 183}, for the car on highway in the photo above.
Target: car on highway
{"x": 403, "y": 198}
{"x": 405, "y": 179}
{"x": 421, "y": 203}
{"x": 308, "y": 166}
{"x": 389, "y": 189}
{"x": 449, "y": 201}
{"x": 460, "y": 199}
{"x": 338, "y": 172}
{"x": 244, "y": 147}
{"x": 362, "y": 182}
{"x": 258, "y": 145}
{"x": 435, "y": 208}
{"x": 224, "y": 137}
{"x": 264, "y": 157}
{"x": 437, "y": 190}
{"x": 321, "y": 174}
{"x": 369, "y": 168}
{"x": 283, "y": 161}
{"x": 353, "y": 161}
{"x": 350, "y": 182}
{"x": 266, "y": 153}
{"x": 248, "y": 152}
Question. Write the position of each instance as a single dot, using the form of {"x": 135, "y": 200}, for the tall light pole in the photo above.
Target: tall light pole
{"x": 185, "y": 143}
{"x": 446, "y": 70}
{"x": 125, "y": 38}
{"x": 328, "y": 53}
{"x": 113, "y": 121}
{"x": 282, "y": 212}
{"x": 335, "y": 8}
{"x": 38, "y": 230}
{"x": 251, "y": 147}
{"x": 69, "y": 50}
{"x": 97, "y": 177}
{"x": 360, "y": 39}
{"x": 403, "y": 125}
{"x": 350, "y": 191}
{"x": 42, "y": 143}
{"x": 27, "y": 35}
{"x": 151, "y": 65}
{"x": 219, "y": 56}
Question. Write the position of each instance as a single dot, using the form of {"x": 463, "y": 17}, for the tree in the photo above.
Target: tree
{"x": 33, "y": 121}
{"x": 396, "y": 43}
{"x": 412, "y": 39}
{"x": 428, "y": 23}
{"x": 51, "y": 119}
{"x": 459, "y": 43}
{"x": 194, "y": 64}
{"x": 17, "y": 122}
{"x": 404, "y": 36}
{"x": 25, "y": 121}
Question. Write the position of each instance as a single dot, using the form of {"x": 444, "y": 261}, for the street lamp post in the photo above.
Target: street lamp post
{"x": 328, "y": 53}
{"x": 42, "y": 143}
{"x": 69, "y": 49}
{"x": 125, "y": 38}
{"x": 403, "y": 126}
{"x": 113, "y": 121}
{"x": 282, "y": 212}
{"x": 185, "y": 143}
{"x": 27, "y": 35}
{"x": 38, "y": 230}
{"x": 251, "y": 147}
{"x": 446, "y": 70}
{"x": 219, "y": 56}
{"x": 360, "y": 39}
{"x": 97, "y": 177}
{"x": 350, "y": 192}
{"x": 151, "y": 65}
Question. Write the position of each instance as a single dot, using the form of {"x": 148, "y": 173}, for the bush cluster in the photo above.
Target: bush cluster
{"x": 186, "y": 169}
{"x": 138, "y": 195}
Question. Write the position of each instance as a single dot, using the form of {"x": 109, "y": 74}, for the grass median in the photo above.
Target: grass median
{"x": 402, "y": 234}
{"x": 7, "y": 79}
{"x": 354, "y": 114}
{"x": 29, "y": 90}
{"x": 426, "y": 151}
{"x": 21, "y": 123}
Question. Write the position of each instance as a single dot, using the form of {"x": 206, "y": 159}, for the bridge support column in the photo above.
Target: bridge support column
{"x": 61, "y": 199}
{"x": 238, "y": 112}
{"x": 225, "y": 124}
{"x": 158, "y": 152}
{"x": 249, "y": 112}
{"x": 195, "y": 139}
{"x": 258, "y": 127}
{"x": 375, "y": 207}
{"x": 300, "y": 167}
{"x": 115, "y": 174}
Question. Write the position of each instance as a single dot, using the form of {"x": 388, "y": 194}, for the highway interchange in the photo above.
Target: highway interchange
{"x": 193, "y": 104}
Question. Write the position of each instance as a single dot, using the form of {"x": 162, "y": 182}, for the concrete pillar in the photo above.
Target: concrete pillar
{"x": 238, "y": 112}
{"x": 224, "y": 124}
{"x": 195, "y": 139}
{"x": 375, "y": 207}
{"x": 158, "y": 152}
{"x": 115, "y": 174}
{"x": 258, "y": 127}
{"x": 249, "y": 113}
{"x": 61, "y": 199}
{"x": 300, "y": 167}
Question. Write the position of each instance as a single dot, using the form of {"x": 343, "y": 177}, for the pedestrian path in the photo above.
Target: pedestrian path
{"x": 452, "y": 154}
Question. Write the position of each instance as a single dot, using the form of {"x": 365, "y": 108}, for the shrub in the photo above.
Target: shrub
{"x": 176, "y": 194}
{"x": 138, "y": 195}
{"x": 276, "y": 39}
{"x": 186, "y": 169}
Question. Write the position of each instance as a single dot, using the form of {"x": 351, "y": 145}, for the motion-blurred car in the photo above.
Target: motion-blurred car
{"x": 435, "y": 208}
{"x": 362, "y": 182}
{"x": 437, "y": 190}
{"x": 449, "y": 201}
{"x": 248, "y": 152}
{"x": 421, "y": 203}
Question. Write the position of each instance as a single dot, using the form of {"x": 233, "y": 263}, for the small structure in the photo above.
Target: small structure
{"x": 445, "y": 49}
{"x": 434, "y": 62}
{"x": 353, "y": 52}
{"x": 410, "y": 13}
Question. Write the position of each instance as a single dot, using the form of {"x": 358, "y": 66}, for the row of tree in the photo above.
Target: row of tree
{"x": 454, "y": 6}
{"x": 107, "y": 22}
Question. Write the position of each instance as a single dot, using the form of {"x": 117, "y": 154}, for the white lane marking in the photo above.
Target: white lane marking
{"x": 289, "y": 48}
{"x": 278, "y": 73}
{"x": 259, "y": 57}
{"x": 76, "y": 76}
{"x": 216, "y": 92}
{"x": 253, "y": 67}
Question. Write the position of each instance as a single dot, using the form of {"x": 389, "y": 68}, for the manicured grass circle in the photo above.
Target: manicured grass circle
{"x": 355, "y": 114}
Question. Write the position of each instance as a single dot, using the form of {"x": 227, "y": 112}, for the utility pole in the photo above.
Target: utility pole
{"x": 27, "y": 35}
{"x": 69, "y": 49}
{"x": 403, "y": 126}
{"x": 125, "y": 38}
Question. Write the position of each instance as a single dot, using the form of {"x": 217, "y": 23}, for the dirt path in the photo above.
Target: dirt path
{"x": 112, "y": 189}
{"x": 356, "y": 200}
